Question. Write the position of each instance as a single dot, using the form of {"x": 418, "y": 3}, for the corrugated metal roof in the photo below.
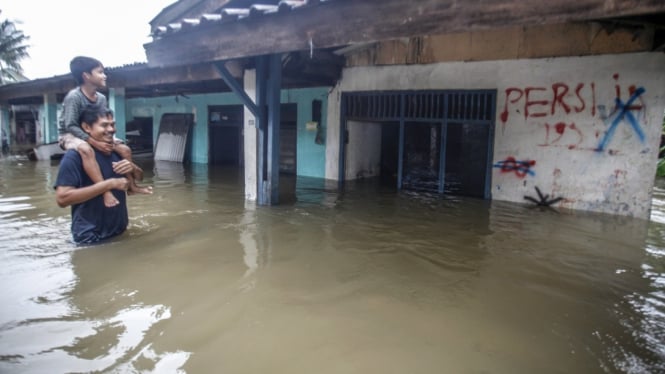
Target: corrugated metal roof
{"x": 230, "y": 14}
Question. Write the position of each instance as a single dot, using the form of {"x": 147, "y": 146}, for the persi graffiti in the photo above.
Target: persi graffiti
{"x": 557, "y": 108}
{"x": 520, "y": 168}
{"x": 566, "y": 134}
{"x": 551, "y": 101}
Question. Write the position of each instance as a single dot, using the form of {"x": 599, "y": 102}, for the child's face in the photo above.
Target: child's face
{"x": 97, "y": 77}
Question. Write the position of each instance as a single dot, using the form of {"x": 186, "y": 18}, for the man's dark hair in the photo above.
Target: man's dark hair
{"x": 92, "y": 112}
{"x": 83, "y": 64}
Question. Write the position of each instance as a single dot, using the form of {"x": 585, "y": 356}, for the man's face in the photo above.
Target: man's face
{"x": 102, "y": 130}
{"x": 97, "y": 77}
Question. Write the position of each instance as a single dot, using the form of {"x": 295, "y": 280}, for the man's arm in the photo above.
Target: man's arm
{"x": 68, "y": 195}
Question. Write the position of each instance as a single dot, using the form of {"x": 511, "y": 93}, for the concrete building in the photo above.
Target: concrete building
{"x": 558, "y": 102}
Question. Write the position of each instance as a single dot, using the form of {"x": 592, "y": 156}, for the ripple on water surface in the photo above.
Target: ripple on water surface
{"x": 362, "y": 281}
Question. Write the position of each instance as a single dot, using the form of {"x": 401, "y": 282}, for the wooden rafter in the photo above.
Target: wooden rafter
{"x": 347, "y": 22}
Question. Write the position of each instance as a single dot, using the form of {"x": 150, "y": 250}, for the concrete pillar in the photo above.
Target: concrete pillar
{"x": 4, "y": 124}
{"x": 249, "y": 135}
{"x": 48, "y": 127}
{"x": 117, "y": 105}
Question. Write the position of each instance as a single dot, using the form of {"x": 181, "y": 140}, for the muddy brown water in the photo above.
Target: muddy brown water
{"x": 366, "y": 280}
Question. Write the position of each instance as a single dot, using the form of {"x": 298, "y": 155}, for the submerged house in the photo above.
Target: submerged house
{"x": 560, "y": 101}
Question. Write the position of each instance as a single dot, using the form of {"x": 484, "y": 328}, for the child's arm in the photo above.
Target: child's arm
{"x": 70, "y": 113}
{"x": 104, "y": 147}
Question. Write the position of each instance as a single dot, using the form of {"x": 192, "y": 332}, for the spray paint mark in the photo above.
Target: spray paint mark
{"x": 623, "y": 114}
{"x": 575, "y": 137}
{"x": 543, "y": 200}
{"x": 520, "y": 168}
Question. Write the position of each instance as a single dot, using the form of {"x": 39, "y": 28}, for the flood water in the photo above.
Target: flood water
{"x": 364, "y": 281}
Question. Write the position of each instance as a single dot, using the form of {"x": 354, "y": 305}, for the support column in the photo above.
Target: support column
{"x": 251, "y": 100}
{"x": 250, "y": 139}
{"x": 267, "y": 114}
{"x": 261, "y": 128}
{"x": 5, "y": 128}
{"x": 274, "y": 104}
{"x": 117, "y": 105}
{"x": 48, "y": 128}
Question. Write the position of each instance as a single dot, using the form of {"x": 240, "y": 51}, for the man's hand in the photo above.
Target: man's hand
{"x": 119, "y": 183}
{"x": 123, "y": 167}
{"x": 105, "y": 148}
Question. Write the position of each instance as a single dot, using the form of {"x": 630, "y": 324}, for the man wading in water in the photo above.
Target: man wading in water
{"x": 92, "y": 221}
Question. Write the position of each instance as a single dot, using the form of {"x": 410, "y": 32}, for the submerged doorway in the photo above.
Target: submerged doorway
{"x": 438, "y": 141}
{"x": 225, "y": 135}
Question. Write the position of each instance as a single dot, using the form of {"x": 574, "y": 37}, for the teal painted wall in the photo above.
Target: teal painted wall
{"x": 194, "y": 104}
{"x": 49, "y": 132}
{"x": 311, "y": 156}
{"x": 4, "y": 122}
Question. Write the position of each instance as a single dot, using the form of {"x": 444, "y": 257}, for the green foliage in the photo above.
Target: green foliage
{"x": 660, "y": 170}
{"x": 13, "y": 49}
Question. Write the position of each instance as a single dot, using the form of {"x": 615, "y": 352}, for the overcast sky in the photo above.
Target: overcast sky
{"x": 111, "y": 31}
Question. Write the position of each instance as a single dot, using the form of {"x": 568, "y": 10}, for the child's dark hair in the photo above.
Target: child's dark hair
{"x": 92, "y": 112}
{"x": 83, "y": 64}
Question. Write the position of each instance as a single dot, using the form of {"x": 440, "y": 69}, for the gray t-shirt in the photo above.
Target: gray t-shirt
{"x": 72, "y": 106}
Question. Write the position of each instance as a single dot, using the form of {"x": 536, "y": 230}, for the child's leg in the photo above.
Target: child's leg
{"x": 125, "y": 152}
{"x": 92, "y": 169}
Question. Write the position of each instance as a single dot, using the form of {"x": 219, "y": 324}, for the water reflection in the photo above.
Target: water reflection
{"x": 368, "y": 280}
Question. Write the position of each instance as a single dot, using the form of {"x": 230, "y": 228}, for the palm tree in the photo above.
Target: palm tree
{"x": 12, "y": 50}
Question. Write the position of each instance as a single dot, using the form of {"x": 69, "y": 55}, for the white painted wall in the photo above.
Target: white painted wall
{"x": 553, "y": 114}
{"x": 364, "y": 150}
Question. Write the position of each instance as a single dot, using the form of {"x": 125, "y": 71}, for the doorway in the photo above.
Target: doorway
{"x": 225, "y": 124}
{"x": 139, "y": 135}
{"x": 438, "y": 141}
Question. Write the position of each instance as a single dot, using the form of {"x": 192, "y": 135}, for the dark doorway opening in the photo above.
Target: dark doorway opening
{"x": 288, "y": 139}
{"x": 422, "y": 153}
{"x": 466, "y": 159}
{"x": 139, "y": 135}
{"x": 288, "y": 152}
{"x": 438, "y": 141}
{"x": 389, "y": 153}
{"x": 225, "y": 124}
{"x": 26, "y": 131}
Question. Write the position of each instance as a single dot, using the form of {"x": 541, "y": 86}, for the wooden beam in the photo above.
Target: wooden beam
{"x": 36, "y": 88}
{"x": 145, "y": 76}
{"x": 138, "y": 76}
{"x": 237, "y": 88}
{"x": 344, "y": 22}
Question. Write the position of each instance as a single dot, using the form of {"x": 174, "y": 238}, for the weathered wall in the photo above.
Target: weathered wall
{"x": 511, "y": 43}
{"x": 363, "y": 158}
{"x": 583, "y": 128}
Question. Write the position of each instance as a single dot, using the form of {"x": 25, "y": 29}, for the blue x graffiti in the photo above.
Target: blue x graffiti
{"x": 624, "y": 113}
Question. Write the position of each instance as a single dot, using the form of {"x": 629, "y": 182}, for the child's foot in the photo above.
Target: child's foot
{"x": 109, "y": 200}
{"x": 134, "y": 189}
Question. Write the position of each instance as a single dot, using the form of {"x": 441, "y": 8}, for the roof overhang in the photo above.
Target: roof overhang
{"x": 137, "y": 80}
{"x": 337, "y": 23}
